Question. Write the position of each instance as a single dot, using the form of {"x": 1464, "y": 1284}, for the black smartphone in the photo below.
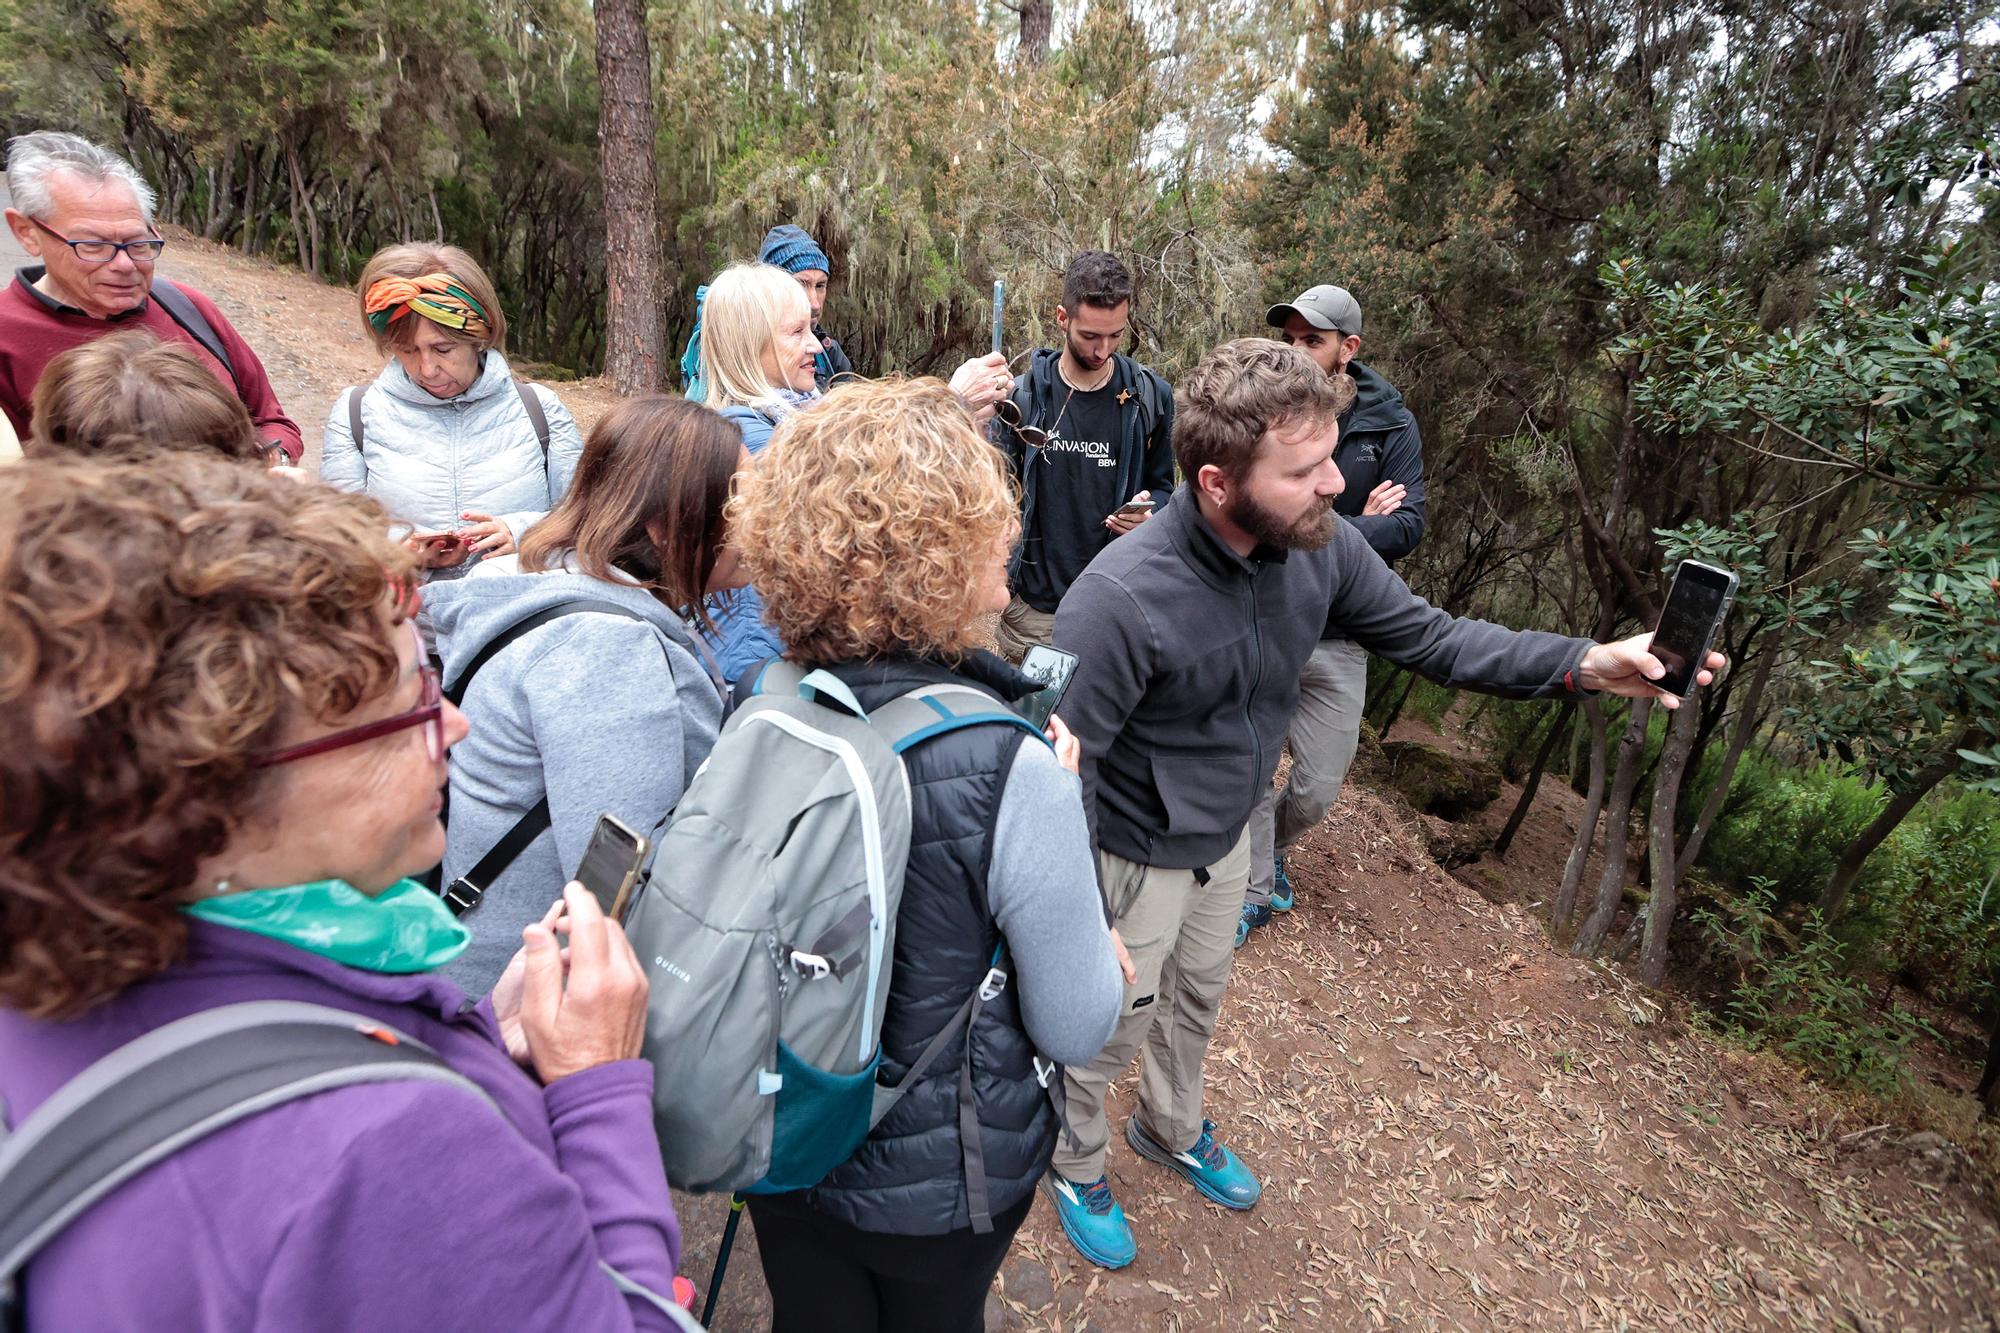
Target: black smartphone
{"x": 1689, "y": 622}
{"x": 1133, "y": 509}
{"x": 1053, "y": 667}
{"x": 611, "y": 863}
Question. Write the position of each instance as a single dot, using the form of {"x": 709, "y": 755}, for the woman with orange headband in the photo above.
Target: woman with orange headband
{"x": 445, "y": 437}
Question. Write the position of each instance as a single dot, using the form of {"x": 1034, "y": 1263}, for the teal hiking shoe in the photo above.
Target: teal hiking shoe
{"x": 1281, "y": 885}
{"x": 1254, "y": 915}
{"x": 1092, "y": 1220}
{"x": 1210, "y": 1167}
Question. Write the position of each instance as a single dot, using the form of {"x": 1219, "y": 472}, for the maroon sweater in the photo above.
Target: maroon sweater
{"x": 35, "y": 329}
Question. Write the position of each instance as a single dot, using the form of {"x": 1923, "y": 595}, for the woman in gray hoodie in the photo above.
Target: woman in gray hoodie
{"x": 595, "y": 710}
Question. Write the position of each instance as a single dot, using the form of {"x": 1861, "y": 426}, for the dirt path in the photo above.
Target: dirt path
{"x": 1457, "y": 1127}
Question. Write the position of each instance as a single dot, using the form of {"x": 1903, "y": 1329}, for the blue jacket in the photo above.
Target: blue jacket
{"x": 741, "y": 638}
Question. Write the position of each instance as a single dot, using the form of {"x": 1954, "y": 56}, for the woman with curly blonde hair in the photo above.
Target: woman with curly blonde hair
{"x": 223, "y": 761}
{"x": 878, "y": 526}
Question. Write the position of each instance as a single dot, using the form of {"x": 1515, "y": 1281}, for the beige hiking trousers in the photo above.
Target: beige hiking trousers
{"x": 1181, "y": 933}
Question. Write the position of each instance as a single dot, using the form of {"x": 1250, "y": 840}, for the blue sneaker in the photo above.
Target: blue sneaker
{"x": 1281, "y": 885}
{"x": 1253, "y": 917}
{"x": 1210, "y": 1167}
{"x": 1092, "y": 1220}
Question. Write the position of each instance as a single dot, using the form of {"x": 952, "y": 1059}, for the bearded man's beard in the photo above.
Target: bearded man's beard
{"x": 1308, "y": 532}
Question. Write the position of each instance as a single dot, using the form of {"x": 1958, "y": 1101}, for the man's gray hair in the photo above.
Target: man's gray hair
{"x": 32, "y": 159}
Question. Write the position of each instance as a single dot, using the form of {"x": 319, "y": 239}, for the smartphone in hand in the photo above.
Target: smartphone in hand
{"x": 1133, "y": 509}
{"x": 1689, "y": 622}
{"x": 1053, "y": 667}
{"x": 611, "y": 862}
{"x": 439, "y": 546}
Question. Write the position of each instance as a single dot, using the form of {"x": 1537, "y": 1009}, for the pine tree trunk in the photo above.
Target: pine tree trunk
{"x": 1660, "y": 841}
{"x": 1834, "y": 899}
{"x": 633, "y": 345}
{"x": 1618, "y": 811}
{"x": 1038, "y": 23}
{"x": 1586, "y": 825}
{"x": 1506, "y": 838}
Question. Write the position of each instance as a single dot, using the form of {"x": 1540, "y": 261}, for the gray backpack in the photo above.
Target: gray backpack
{"x": 768, "y": 923}
{"x": 179, "y": 1083}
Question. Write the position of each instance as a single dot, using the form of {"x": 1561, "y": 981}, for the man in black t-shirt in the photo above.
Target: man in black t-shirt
{"x": 1088, "y": 433}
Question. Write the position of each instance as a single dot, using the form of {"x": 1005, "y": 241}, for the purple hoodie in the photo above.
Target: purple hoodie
{"x": 378, "y": 1207}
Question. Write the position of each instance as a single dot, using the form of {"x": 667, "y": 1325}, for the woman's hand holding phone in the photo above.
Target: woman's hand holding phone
{"x": 583, "y": 1006}
{"x": 437, "y": 550}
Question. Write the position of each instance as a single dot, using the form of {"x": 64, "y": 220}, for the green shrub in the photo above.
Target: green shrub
{"x": 1786, "y": 827}
{"x": 1803, "y": 1003}
{"x": 1930, "y": 906}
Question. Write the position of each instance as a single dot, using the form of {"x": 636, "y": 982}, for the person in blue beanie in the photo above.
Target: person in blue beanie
{"x": 792, "y": 250}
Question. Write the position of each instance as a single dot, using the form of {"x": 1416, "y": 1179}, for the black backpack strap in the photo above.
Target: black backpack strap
{"x": 499, "y": 643}
{"x": 465, "y": 893}
{"x": 187, "y": 314}
{"x": 354, "y": 414}
{"x": 176, "y": 1085}
{"x": 532, "y": 401}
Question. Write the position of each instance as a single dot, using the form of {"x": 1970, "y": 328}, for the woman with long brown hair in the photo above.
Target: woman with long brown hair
{"x": 606, "y": 708}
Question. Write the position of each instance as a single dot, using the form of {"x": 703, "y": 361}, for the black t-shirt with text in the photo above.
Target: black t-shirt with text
{"x": 1076, "y": 490}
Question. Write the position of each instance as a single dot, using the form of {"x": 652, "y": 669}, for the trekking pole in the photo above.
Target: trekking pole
{"x": 722, "y": 1257}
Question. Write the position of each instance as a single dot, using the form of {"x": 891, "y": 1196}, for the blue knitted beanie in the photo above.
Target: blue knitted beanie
{"x": 792, "y": 250}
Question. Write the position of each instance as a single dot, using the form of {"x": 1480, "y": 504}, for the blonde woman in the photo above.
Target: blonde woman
{"x": 879, "y": 525}
{"x": 757, "y": 363}
{"x": 445, "y": 437}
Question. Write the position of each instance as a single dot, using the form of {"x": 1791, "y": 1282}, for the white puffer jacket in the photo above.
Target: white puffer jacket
{"x": 430, "y": 460}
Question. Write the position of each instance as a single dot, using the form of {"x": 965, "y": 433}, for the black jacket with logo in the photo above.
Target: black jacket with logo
{"x": 1145, "y": 453}
{"x": 1188, "y": 671}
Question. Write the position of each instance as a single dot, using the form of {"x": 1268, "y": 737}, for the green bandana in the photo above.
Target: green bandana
{"x": 405, "y": 928}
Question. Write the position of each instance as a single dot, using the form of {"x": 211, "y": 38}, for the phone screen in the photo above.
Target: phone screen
{"x": 611, "y": 863}
{"x": 1053, "y": 667}
{"x": 1688, "y": 622}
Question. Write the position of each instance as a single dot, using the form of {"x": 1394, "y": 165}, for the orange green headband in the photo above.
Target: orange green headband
{"x": 438, "y": 297}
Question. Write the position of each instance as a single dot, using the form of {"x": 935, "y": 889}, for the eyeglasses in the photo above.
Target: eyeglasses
{"x": 1009, "y": 413}
{"x": 103, "y": 252}
{"x": 428, "y": 714}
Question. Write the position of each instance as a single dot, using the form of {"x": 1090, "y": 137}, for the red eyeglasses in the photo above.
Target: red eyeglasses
{"x": 428, "y": 714}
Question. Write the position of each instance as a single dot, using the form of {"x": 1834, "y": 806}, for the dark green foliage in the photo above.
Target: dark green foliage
{"x": 1804, "y": 1001}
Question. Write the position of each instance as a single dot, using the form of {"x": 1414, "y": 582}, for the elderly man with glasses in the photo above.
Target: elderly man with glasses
{"x": 87, "y": 215}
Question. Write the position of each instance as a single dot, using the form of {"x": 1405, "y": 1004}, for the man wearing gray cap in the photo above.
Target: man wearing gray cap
{"x": 1381, "y": 458}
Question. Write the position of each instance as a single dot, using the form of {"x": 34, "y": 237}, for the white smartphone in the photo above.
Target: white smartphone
{"x": 611, "y": 862}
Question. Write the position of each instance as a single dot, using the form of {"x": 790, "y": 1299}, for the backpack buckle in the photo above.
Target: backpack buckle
{"x": 462, "y": 895}
{"x": 996, "y": 981}
{"x": 811, "y": 966}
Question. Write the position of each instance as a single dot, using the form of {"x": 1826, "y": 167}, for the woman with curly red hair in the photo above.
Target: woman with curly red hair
{"x": 224, "y": 755}
{"x": 878, "y": 527}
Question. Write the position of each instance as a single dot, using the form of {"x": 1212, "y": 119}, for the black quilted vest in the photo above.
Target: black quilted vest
{"x": 908, "y": 1178}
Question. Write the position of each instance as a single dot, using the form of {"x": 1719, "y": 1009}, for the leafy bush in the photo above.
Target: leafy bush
{"x": 1931, "y": 909}
{"x": 1785, "y": 828}
{"x": 1803, "y": 1002}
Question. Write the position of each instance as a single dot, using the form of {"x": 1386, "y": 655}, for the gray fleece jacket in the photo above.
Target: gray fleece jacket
{"x": 597, "y": 712}
{"x": 1188, "y": 661}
